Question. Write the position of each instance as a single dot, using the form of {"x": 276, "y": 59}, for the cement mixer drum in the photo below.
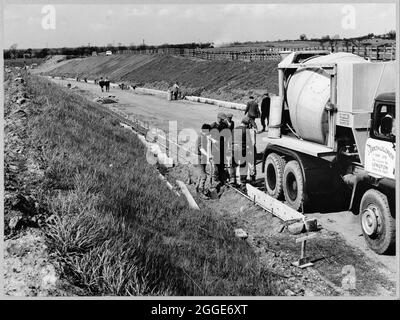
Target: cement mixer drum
{"x": 307, "y": 94}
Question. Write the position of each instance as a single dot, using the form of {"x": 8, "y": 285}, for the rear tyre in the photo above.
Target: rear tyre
{"x": 377, "y": 223}
{"x": 293, "y": 185}
{"x": 274, "y": 167}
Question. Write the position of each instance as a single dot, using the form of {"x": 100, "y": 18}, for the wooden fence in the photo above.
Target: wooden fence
{"x": 382, "y": 53}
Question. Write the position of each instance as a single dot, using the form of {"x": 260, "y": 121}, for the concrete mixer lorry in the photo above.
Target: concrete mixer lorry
{"x": 332, "y": 136}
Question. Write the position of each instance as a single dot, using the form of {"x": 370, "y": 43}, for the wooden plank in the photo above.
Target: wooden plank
{"x": 272, "y": 205}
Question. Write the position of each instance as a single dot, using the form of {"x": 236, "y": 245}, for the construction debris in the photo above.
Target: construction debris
{"x": 240, "y": 233}
{"x": 106, "y": 100}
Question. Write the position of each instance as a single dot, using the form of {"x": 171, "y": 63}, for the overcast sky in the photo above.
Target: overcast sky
{"x": 77, "y": 25}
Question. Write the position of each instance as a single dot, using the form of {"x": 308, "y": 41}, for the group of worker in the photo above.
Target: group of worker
{"x": 103, "y": 83}
{"x": 253, "y": 111}
{"x": 230, "y": 150}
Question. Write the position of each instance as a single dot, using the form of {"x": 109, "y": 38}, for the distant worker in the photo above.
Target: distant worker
{"x": 101, "y": 84}
{"x": 252, "y": 111}
{"x": 175, "y": 91}
{"x": 265, "y": 107}
{"x": 202, "y": 159}
{"x": 107, "y": 84}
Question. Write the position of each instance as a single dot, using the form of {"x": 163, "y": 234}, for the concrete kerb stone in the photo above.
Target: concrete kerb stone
{"x": 219, "y": 103}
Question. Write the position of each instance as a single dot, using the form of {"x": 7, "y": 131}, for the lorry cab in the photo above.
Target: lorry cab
{"x": 383, "y": 122}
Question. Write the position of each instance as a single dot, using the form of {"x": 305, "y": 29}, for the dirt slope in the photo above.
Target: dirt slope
{"x": 227, "y": 80}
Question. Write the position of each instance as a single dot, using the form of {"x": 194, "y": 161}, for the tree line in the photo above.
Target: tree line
{"x": 83, "y": 51}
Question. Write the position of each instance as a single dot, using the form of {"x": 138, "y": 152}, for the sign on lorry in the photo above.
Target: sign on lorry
{"x": 380, "y": 158}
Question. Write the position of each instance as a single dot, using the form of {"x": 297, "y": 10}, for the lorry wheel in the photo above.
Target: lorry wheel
{"x": 377, "y": 222}
{"x": 274, "y": 166}
{"x": 293, "y": 184}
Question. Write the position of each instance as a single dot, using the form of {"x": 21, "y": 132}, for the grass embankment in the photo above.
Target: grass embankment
{"x": 226, "y": 80}
{"x": 116, "y": 228}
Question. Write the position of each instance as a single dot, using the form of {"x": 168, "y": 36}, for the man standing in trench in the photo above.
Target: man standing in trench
{"x": 202, "y": 154}
{"x": 229, "y": 150}
{"x": 244, "y": 150}
{"x": 218, "y": 149}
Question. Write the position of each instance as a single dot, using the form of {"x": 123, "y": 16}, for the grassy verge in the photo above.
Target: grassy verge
{"x": 114, "y": 226}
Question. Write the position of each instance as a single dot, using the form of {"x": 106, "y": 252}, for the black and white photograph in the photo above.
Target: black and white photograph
{"x": 200, "y": 149}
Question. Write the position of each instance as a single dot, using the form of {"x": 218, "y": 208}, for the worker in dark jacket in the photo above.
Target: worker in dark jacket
{"x": 229, "y": 153}
{"x": 101, "y": 84}
{"x": 252, "y": 111}
{"x": 265, "y": 106}
{"x": 107, "y": 84}
{"x": 218, "y": 148}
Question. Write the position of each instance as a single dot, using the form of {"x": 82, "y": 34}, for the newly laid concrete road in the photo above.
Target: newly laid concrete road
{"x": 158, "y": 111}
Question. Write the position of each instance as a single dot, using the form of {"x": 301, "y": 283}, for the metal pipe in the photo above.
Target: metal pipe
{"x": 332, "y": 109}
